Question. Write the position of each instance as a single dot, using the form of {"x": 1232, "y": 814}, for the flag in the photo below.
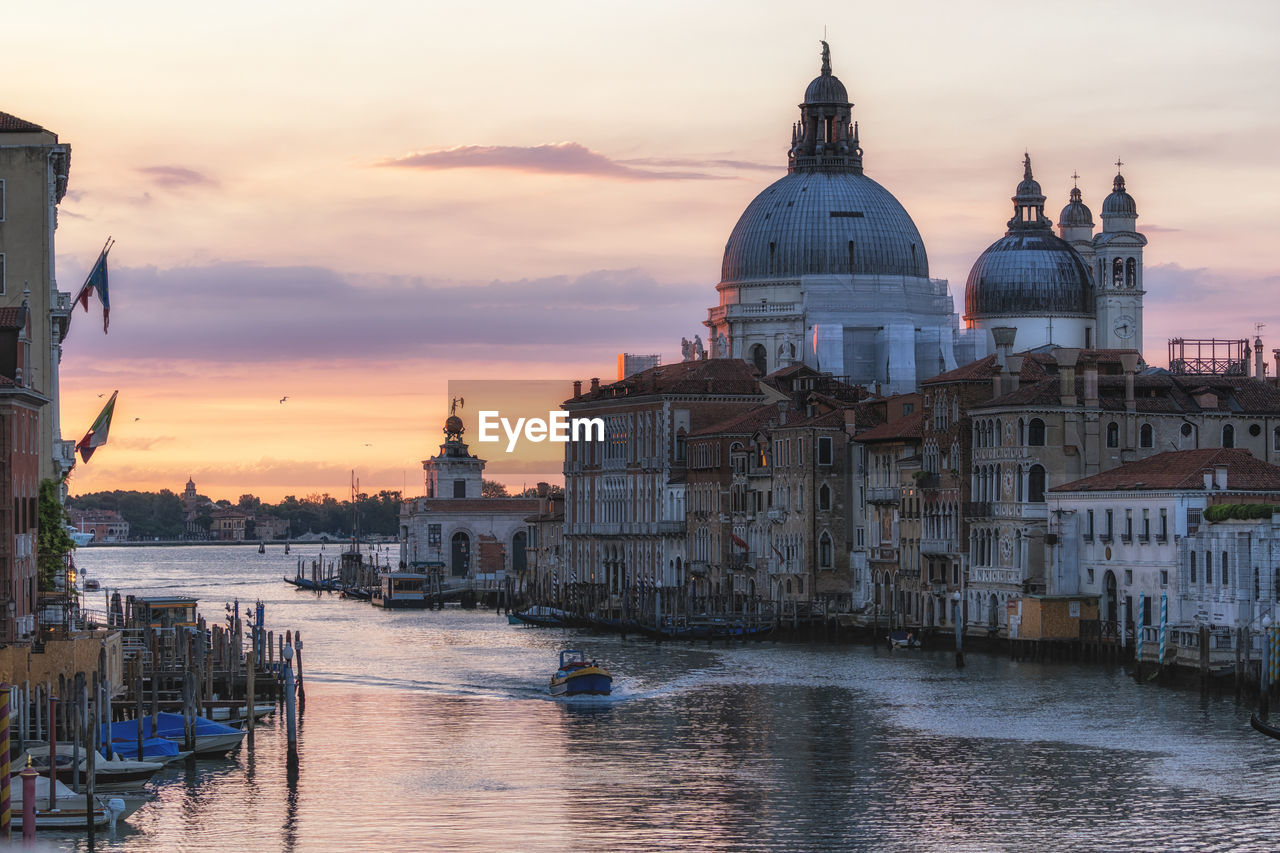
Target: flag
{"x": 97, "y": 280}
{"x": 97, "y": 434}
{"x": 738, "y": 541}
{"x": 776, "y": 551}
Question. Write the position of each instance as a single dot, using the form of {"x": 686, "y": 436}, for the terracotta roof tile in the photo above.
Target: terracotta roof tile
{"x": 13, "y": 124}
{"x": 730, "y": 376}
{"x": 1182, "y": 470}
{"x": 912, "y": 426}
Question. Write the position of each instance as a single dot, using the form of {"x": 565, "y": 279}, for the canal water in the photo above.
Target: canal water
{"x": 434, "y": 731}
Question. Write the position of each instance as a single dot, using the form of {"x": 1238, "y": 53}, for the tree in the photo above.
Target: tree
{"x": 492, "y": 489}
{"x": 532, "y": 492}
{"x": 53, "y": 542}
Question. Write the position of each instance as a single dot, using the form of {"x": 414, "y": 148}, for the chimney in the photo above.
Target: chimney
{"x": 595, "y": 383}
{"x": 1066, "y": 357}
{"x": 577, "y": 388}
{"x": 544, "y": 489}
{"x": 1220, "y": 476}
{"x": 1276, "y": 353}
{"x": 1003, "y": 336}
{"x": 1259, "y": 367}
{"x": 1091, "y": 384}
{"x": 782, "y": 412}
{"x": 1129, "y": 361}
{"x": 1015, "y": 371}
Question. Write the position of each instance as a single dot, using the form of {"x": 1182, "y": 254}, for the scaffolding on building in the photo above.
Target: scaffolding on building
{"x": 1209, "y": 357}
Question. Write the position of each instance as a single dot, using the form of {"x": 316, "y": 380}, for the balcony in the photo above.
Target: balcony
{"x": 883, "y": 494}
{"x": 884, "y": 555}
{"x": 671, "y": 528}
{"x": 977, "y": 509}
{"x": 777, "y": 516}
{"x": 750, "y": 309}
{"x": 938, "y": 547}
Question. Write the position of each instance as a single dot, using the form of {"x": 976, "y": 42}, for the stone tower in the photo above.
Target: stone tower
{"x": 453, "y": 472}
{"x": 1117, "y": 265}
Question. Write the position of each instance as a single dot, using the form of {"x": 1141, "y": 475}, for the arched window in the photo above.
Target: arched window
{"x": 1117, "y": 273}
{"x": 681, "y": 437}
{"x": 999, "y": 434}
{"x": 1226, "y": 572}
{"x": 1208, "y": 567}
{"x": 1228, "y": 436}
{"x": 758, "y": 358}
{"x": 1022, "y": 432}
{"x": 1035, "y": 433}
{"x": 1191, "y": 564}
{"x": 1113, "y": 434}
{"x": 1275, "y": 439}
{"x": 1036, "y": 485}
{"x": 1146, "y": 436}
{"x": 1131, "y": 273}
{"x": 824, "y": 497}
{"x": 824, "y": 550}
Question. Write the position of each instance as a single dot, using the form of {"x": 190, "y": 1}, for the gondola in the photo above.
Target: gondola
{"x": 1265, "y": 728}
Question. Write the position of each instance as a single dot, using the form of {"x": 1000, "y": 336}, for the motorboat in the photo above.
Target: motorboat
{"x": 903, "y": 640}
{"x": 153, "y": 749}
{"x": 109, "y": 774}
{"x": 235, "y": 716}
{"x": 579, "y": 677}
{"x": 213, "y": 740}
{"x": 69, "y": 811}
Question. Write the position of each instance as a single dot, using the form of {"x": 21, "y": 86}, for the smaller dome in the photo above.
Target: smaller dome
{"x": 1029, "y": 274}
{"x": 826, "y": 89}
{"x": 1029, "y": 188}
{"x": 1076, "y": 213}
{"x": 1119, "y": 203}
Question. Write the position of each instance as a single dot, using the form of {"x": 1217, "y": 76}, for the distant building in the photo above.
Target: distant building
{"x": 457, "y": 530}
{"x": 106, "y": 525}
{"x": 630, "y": 364}
{"x": 545, "y": 538}
{"x": 229, "y": 524}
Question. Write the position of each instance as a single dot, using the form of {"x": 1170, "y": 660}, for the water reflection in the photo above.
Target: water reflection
{"x": 442, "y": 720}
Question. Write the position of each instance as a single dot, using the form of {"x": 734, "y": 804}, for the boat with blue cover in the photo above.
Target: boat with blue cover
{"x": 212, "y": 739}
{"x": 579, "y": 677}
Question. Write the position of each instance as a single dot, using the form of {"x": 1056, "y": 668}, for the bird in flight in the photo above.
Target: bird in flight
{"x": 102, "y": 395}
{"x": 368, "y": 445}
{"x": 135, "y": 420}
{"x": 285, "y": 397}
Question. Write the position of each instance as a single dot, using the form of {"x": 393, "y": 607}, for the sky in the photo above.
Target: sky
{"x": 350, "y": 205}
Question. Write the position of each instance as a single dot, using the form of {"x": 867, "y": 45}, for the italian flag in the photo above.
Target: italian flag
{"x": 97, "y": 434}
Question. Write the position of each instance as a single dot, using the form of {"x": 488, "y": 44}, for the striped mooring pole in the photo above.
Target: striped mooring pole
{"x": 1141, "y": 620}
{"x": 1273, "y": 637}
{"x": 6, "y": 778}
{"x": 1164, "y": 623}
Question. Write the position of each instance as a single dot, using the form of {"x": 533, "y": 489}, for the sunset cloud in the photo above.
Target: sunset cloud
{"x": 172, "y": 177}
{"x": 560, "y": 158}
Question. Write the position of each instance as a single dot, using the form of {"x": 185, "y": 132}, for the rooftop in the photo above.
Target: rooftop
{"x": 1183, "y": 470}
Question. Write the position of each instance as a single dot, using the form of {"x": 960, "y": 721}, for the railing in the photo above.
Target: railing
{"x": 671, "y": 527}
{"x": 883, "y": 494}
{"x": 977, "y": 509}
{"x": 933, "y": 545}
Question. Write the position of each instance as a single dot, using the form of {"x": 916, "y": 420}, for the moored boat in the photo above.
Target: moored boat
{"x": 904, "y": 640}
{"x": 579, "y": 677}
{"x": 1264, "y": 727}
{"x": 213, "y": 740}
{"x": 542, "y": 616}
{"x": 401, "y": 590}
{"x": 109, "y": 774}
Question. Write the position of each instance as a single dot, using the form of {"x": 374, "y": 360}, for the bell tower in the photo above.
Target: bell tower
{"x": 1117, "y": 265}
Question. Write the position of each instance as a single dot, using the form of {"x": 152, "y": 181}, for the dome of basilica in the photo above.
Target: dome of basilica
{"x": 823, "y": 223}
{"x": 1030, "y": 270}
